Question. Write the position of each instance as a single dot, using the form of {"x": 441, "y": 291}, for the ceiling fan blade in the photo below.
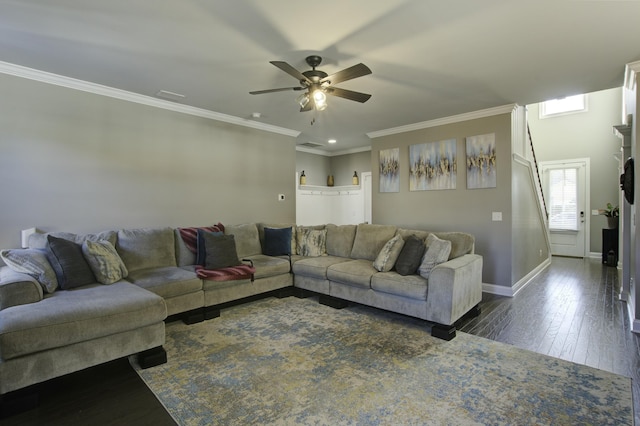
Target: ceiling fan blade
{"x": 348, "y": 94}
{"x": 290, "y": 70}
{"x": 260, "y": 92}
{"x": 347, "y": 74}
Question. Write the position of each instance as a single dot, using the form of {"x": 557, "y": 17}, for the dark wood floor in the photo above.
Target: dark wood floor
{"x": 570, "y": 311}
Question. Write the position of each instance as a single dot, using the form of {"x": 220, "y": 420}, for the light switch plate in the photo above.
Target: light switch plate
{"x": 496, "y": 216}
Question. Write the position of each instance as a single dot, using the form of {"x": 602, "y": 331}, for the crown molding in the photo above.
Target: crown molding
{"x": 483, "y": 113}
{"x": 98, "y": 89}
{"x": 332, "y": 153}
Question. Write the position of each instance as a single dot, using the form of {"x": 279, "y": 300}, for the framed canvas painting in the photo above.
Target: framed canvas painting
{"x": 433, "y": 165}
{"x": 481, "y": 161}
{"x": 390, "y": 170}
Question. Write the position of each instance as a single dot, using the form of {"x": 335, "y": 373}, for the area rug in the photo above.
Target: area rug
{"x": 296, "y": 362}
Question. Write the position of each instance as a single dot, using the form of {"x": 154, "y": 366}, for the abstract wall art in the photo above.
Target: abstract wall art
{"x": 390, "y": 170}
{"x": 481, "y": 161}
{"x": 433, "y": 165}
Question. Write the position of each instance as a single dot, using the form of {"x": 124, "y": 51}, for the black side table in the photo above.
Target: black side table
{"x": 609, "y": 243}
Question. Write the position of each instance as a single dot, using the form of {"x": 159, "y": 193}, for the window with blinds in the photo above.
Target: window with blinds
{"x": 563, "y": 199}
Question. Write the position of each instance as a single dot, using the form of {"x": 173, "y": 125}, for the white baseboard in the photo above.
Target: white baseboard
{"x": 635, "y": 323}
{"x": 513, "y": 290}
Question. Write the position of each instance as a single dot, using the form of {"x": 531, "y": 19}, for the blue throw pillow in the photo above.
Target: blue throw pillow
{"x": 201, "y": 250}
{"x": 277, "y": 241}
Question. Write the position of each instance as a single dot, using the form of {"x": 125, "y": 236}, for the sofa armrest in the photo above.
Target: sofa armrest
{"x": 18, "y": 289}
{"x": 455, "y": 287}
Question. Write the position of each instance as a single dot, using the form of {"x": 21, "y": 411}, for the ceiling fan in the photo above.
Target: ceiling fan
{"x": 317, "y": 84}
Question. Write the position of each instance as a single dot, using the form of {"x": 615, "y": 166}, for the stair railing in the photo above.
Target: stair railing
{"x": 535, "y": 162}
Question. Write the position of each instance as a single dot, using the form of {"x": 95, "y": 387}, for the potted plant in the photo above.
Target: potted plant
{"x": 612, "y": 214}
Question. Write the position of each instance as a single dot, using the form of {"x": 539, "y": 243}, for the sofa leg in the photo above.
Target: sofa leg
{"x": 444, "y": 332}
{"x": 283, "y": 293}
{"x": 17, "y": 402}
{"x": 475, "y": 311}
{"x": 152, "y": 357}
{"x": 301, "y": 293}
{"x": 195, "y": 316}
{"x": 211, "y": 312}
{"x": 333, "y": 302}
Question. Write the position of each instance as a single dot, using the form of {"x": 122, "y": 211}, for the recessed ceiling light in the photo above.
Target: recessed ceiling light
{"x": 332, "y": 141}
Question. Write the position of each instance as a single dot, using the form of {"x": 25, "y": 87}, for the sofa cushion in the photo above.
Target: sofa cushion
{"x": 67, "y": 260}
{"x": 388, "y": 255}
{"x": 220, "y": 250}
{"x": 67, "y": 317}
{"x": 410, "y": 256}
{"x": 269, "y": 266}
{"x": 411, "y": 286}
{"x": 167, "y": 282}
{"x": 34, "y": 263}
{"x": 277, "y": 241}
{"x": 146, "y": 248}
{"x": 262, "y": 226}
{"x": 104, "y": 261}
{"x": 437, "y": 252}
{"x": 370, "y": 239}
{"x": 356, "y": 273}
{"x": 246, "y": 237}
{"x": 316, "y": 267}
{"x": 340, "y": 239}
{"x": 311, "y": 242}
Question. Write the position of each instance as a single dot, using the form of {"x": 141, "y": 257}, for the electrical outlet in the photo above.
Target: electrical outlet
{"x": 496, "y": 216}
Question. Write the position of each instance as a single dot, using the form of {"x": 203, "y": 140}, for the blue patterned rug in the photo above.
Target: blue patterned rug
{"x": 296, "y": 362}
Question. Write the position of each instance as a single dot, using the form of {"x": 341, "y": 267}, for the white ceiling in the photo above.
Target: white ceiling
{"x": 430, "y": 59}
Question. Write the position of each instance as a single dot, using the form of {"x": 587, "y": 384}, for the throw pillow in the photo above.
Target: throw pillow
{"x": 220, "y": 251}
{"x": 437, "y": 252}
{"x": 410, "y": 256}
{"x": 201, "y": 250}
{"x": 32, "y": 262}
{"x": 104, "y": 261}
{"x": 389, "y": 254}
{"x": 311, "y": 242}
{"x": 277, "y": 241}
{"x": 72, "y": 270}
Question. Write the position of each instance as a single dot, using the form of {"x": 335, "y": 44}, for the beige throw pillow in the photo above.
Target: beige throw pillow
{"x": 104, "y": 261}
{"x": 437, "y": 252}
{"x": 389, "y": 254}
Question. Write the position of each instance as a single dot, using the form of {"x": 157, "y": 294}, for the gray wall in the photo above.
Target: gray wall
{"x": 343, "y": 166}
{"x": 529, "y": 241}
{"x": 76, "y": 161}
{"x": 585, "y": 135}
{"x": 454, "y": 210}
{"x": 317, "y": 167}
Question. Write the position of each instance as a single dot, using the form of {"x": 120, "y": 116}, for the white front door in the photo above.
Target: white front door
{"x": 566, "y": 193}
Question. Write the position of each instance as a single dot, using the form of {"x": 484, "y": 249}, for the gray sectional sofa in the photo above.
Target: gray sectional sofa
{"x": 47, "y": 332}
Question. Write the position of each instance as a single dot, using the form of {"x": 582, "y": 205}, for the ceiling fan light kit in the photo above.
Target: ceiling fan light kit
{"x": 318, "y": 84}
